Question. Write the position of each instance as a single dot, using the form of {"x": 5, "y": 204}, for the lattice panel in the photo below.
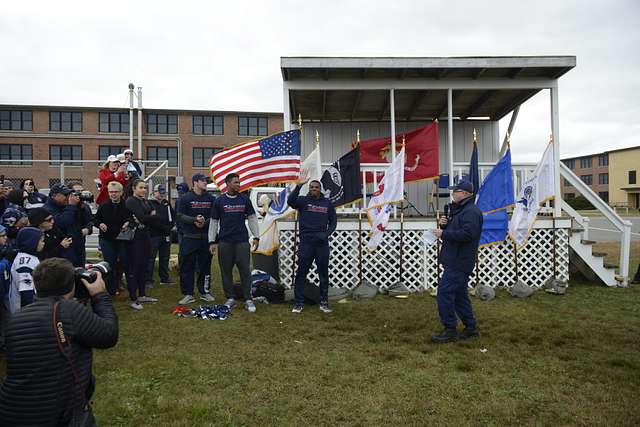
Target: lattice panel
{"x": 496, "y": 264}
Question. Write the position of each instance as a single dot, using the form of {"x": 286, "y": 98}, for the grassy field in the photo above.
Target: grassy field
{"x": 547, "y": 360}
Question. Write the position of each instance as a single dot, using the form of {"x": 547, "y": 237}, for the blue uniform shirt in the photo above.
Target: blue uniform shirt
{"x": 317, "y": 214}
{"x": 193, "y": 205}
{"x": 232, "y": 213}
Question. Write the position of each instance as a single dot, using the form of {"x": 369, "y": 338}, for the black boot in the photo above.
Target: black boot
{"x": 448, "y": 335}
{"x": 468, "y": 333}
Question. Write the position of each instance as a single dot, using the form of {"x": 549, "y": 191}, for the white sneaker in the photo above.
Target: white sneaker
{"x": 207, "y": 297}
{"x": 187, "y": 299}
{"x": 230, "y": 303}
{"x": 136, "y": 306}
{"x": 324, "y": 307}
{"x": 147, "y": 299}
{"x": 250, "y": 306}
{"x": 297, "y": 308}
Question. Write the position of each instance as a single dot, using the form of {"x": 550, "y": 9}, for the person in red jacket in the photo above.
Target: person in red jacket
{"x": 111, "y": 171}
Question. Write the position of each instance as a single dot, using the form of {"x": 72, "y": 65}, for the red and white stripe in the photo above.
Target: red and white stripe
{"x": 246, "y": 160}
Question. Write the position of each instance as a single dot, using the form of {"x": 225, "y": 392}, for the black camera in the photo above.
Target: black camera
{"x": 89, "y": 274}
{"x": 85, "y": 196}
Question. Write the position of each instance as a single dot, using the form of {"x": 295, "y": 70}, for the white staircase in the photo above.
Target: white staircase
{"x": 593, "y": 261}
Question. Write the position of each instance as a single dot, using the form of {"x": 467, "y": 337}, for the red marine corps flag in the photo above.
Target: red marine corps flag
{"x": 421, "y": 153}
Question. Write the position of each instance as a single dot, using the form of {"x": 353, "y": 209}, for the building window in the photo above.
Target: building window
{"x": 114, "y": 122}
{"x": 603, "y": 159}
{"x": 585, "y": 163}
{"x": 162, "y": 123}
{"x": 566, "y": 183}
{"x": 587, "y": 179}
{"x": 632, "y": 177}
{"x": 65, "y": 152}
{"x": 65, "y": 121}
{"x": 604, "y": 195}
{"x": 569, "y": 195}
{"x": 202, "y": 156}
{"x": 603, "y": 178}
{"x": 16, "y": 120}
{"x": 105, "y": 151}
{"x": 163, "y": 153}
{"x": 570, "y": 163}
{"x": 16, "y": 152}
{"x": 208, "y": 125}
{"x": 252, "y": 126}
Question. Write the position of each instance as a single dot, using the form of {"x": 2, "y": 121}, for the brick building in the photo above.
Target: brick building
{"x": 593, "y": 170}
{"x": 186, "y": 138}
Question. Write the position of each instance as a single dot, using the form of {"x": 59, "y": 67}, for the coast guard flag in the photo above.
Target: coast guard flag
{"x": 279, "y": 209}
{"x": 536, "y": 190}
{"x": 494, "y": 197}
{"x": 275, "y": 158}
{"x": 390, "y": 191}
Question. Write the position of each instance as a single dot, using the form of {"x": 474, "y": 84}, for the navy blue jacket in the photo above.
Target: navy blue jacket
{"x": 461, "y": 236}
{"x": 65, "y": 218}
{"x": 317, "y": 215}
{"x": 188, "y": 208}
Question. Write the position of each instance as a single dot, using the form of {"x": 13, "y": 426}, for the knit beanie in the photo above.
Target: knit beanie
{"x": 27, "y": 240}
{"x": 37, "y": 216}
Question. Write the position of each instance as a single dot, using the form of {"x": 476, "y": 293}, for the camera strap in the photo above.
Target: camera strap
{"x": 64, "y": 345}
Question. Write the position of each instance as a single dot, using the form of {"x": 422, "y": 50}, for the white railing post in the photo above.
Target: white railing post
{"x": 625, "y": 247}
{"x": 585, "y": 226}
{"x": 61, "y": 172}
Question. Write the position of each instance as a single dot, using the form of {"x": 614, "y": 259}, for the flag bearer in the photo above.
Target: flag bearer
{"x": 317, "y": 221}
{"x": 460, "y": 233}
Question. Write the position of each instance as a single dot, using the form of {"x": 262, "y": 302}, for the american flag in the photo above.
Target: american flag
{"x": 272, "y": 159}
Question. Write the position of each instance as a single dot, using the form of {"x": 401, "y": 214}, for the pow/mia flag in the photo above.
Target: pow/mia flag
{"x": 342, "y": 181}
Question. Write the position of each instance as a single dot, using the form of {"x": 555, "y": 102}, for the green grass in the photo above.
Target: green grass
{"x": 570, "y": 360}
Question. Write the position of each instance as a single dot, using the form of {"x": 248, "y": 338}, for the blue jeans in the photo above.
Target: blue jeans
{"x": 453, "y": 298}
{"x": 309, "y": 250}
{"x": 160, "y": 247}
{"x": 115, "y": 253}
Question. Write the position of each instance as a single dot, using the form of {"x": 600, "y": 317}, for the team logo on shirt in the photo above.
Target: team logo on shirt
{"x": 196, "y": 204}
{"x": 233, "y": 208}
{"x": 316, "y": 208}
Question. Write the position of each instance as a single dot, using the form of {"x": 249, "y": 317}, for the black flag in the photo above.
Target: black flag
{"x": 342, "y": 181}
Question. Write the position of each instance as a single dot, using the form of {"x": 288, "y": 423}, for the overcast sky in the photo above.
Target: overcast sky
{"x": 226, "y": 55}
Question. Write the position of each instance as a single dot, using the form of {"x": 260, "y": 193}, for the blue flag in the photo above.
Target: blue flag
{"x": 474, "y": 174}
{"x": 495, "y": 195}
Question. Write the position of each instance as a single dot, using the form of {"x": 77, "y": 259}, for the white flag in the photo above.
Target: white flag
{"x": 536, "y": 190}
{"x": 279, "y": 209}
{"x": 390, "y": 190}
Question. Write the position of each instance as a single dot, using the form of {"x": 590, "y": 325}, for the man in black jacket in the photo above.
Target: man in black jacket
{"x": 161, "y": 236}
{"x": 55, "y": 241}
{"x": 43, "y": 386}
{"x": 460, "y": 233}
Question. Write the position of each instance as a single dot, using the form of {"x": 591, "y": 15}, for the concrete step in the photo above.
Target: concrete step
{"x": 599, "y": 254}
{"x": 588, "y": 242}
{"x": 611, "y": 265}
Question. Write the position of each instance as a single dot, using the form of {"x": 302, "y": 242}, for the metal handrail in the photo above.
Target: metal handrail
{"x": 621, "y": 224}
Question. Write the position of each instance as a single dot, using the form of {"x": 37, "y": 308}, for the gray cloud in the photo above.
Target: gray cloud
{"x": 226, "y": 56}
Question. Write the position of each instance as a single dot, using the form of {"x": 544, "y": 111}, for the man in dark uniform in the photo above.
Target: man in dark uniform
{"x": 194, "y": 213}
{"x": 460, "y": 233}
{"x": 317, "y": 221}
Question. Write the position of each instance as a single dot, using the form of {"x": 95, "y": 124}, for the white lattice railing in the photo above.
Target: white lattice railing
{"x": 496, "y": 264}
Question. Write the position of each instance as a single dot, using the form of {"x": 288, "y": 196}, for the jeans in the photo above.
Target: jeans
{"x": 115, "y": 253}
{"x": 161, "y": 247}
{"x": 453, "y": 298}
{"x": 230, "y": 254}
{"x": 194, "y": 256}
{"x": 308, "y": 251}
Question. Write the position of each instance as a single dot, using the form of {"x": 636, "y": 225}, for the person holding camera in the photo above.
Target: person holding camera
{"x": 194, "y": 213}
{"x": 84, "y": 218}
{"x": 112, "y": 217}
{"x": 63, "y": 206}
{"x": 55, "y": 241}
{"x": 161, "y": 236}
{"x": 460, "y": 233}
{"x": 139, "y": 249}
{"x": 49, "y": 349}
{"x": 35, "y": 199}
{"x": 131, "y": 166}
{"x": 112, "y": 170}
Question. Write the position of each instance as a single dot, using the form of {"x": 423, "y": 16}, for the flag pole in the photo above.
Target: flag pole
{"x": 553, "y": 246}
{"x": 295, "y": 221}
{"x": 401, "y": 226}
{"x": 515, "y": 258}
{"x": 359, "y": 227}
{"x": 437, "y": 249}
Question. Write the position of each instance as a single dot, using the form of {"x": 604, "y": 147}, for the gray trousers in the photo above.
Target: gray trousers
{"x": 230, "y": 254}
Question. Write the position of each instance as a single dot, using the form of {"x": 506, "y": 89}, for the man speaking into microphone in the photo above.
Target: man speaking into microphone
{"x": 459, "y": 231}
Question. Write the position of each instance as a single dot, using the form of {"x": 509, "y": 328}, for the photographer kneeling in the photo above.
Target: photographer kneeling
{"x": 49, "y": 357}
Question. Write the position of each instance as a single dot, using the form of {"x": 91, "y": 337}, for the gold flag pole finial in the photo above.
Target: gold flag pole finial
{"x": 358, "y": 135}
{"x": 551, "y": 138}
{"x": 317, "y": 138}
{"x": 475, "y": 136}
{"x": 402, "y": 146}
{"x": 299, "y": 120}
{"x": 508, "y": 140}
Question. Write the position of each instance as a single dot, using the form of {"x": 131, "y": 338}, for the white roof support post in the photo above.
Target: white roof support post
{"x": 555, "y": 131}
{"x": 286, "y": 108}
{"x": 512, "y": 123}
{"x": 450, "y": 134}
{"x": 392, "y": 110}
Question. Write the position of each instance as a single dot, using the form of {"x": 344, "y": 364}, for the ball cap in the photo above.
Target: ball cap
{"x": 463, "y": 185}
{"x": 160, "y": 188}
{"x": 198, "y": 177}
